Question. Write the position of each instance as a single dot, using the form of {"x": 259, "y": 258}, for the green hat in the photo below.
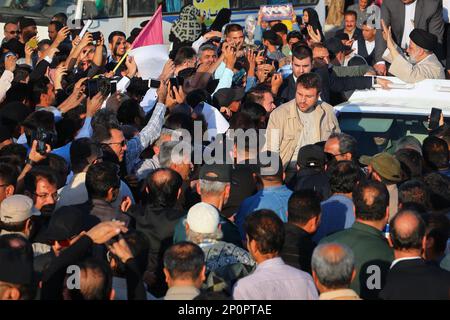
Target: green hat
{"x": 385, "y": 164}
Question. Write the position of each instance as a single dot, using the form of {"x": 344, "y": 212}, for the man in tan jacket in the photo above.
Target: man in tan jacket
{"x": 422, "y": 63}
{"x": 302, "y": 121}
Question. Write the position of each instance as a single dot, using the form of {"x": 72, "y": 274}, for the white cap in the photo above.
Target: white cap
{"x": 17, "y": 208}
{"x": 203, "y": 218}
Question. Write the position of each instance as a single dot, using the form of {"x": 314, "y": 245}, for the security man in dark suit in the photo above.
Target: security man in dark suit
{"x": 410, "y": 276}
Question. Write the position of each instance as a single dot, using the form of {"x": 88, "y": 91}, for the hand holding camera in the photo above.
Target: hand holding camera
{"x": 39, "y": 151}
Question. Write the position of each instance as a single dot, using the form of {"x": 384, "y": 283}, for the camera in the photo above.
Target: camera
{"x": 103, "y": 85}
{"x": 43, "y": 137}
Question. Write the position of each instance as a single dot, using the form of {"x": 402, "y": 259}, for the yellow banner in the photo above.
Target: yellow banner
{"x": 210, "y": 8}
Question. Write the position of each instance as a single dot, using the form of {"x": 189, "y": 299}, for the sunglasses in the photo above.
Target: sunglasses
{"x": 62, "y": 243}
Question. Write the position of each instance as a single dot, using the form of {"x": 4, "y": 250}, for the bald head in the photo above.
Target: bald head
{"x": 163, "y": 187}
{"x": 333, "y": 265}
{"x": 407, "y": 231}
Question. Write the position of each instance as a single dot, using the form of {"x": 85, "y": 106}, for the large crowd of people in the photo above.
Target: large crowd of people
{"x": 106, "y": 191}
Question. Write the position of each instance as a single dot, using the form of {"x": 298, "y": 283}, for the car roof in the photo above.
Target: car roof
{"x": 416, "y": 99}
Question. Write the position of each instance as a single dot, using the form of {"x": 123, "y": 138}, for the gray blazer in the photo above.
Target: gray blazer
{"x": 428, "y": 17}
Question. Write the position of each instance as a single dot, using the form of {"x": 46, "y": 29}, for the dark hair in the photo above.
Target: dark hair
{"x": 180, "y": 121}
{"x": 267, "y": 229}
{"x": 101, "y": 177}
{"x": 14, "y": 154}
{"x": 61, "y": 17}
{"x": 412, "y": 239}
{"x": 58, "y": 25}
{"x": 273, "y": 38}
{"x": 44, "y": 42}
{"x": 411, "y": 162}
{"x": 34, "y": 175}
{"x": 439, "y": 188}
{"x": 104, "y": 118}
{"x": 8, "y": 174}
{"x": 343, "y": 175}
{"x": 438, "y": 228}
{"x": 280, "y": 27}
{"x": 38, "y": 119}
{"x": 310, "y": 81}
{"x": 347, "y": 143}
{"x": 163, "y": 185}
{"x": 97, "y": 281}
{"x": 39, "y": 88}
{"x": 256, "y": 94}
{"x": 139, "y": 246}
{"x": 115, "y": 34}
{"x": 304, "y": 205}
{"x": 232, "y": 27}
{"x": 184, "y": 260}
{"x": 371, "y": 198}
{"x": 295, "y": 34}
{"x": 350, "y": 13}
{"x": 435, "y": 153}
{"x": 59, "y": 166}
{"x": 80, "y": 152}
{"x": 413, "y": 191}
{"x": 267, "y": 171}
{"x": 195, "y": 97}
{"x": 102, "y": 133}
{"x": 183, "y": 54}
{"x": 128, "y": 111}
{"x": 18, "y": 92}
{"x": 242, "y": 120}
{"x": 301, "y": 52}
{"x": 255, "y": 110}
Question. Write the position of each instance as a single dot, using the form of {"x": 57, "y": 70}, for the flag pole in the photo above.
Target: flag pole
{"x": 121, "y": 61}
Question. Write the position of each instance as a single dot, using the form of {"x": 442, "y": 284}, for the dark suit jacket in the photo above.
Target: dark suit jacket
{"x": 332, "y": 86}
{"x": 298, "y": 248}
{"x": 428, "y": 17}
{"x": 357, "y": 35}
{"x": 416, "y": 280}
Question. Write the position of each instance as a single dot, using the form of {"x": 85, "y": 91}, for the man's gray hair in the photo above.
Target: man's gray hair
{"x": 206, "y": 47}
{"x": 174, "y": 152}
{"x": 197, "y": 238}
{"x": 333, "y": 264}
{"x": 212, "y": 187}
{"x": 347, "y": 143}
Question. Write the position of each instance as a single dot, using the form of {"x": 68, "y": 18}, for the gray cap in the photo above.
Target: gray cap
{"x": 17, "y": 208}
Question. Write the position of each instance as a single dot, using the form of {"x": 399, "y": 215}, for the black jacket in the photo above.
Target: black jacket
{"x": 298, "y": 248}
{"x": 158, "y": 224}
{"x": 311, "y": 179}
{"x": 332, "y": 86}
{"x": 416, "y": 280}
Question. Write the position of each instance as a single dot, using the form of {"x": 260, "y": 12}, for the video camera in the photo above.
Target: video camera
{"x": 104, "y": 85}
{"x": 43, "y": 137}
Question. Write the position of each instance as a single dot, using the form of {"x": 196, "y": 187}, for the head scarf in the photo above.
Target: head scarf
{"x": 187, "y": 28}
{"x": 314, "y": 21}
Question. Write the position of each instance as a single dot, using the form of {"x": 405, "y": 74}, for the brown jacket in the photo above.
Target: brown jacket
{"x": 285, "y": 119}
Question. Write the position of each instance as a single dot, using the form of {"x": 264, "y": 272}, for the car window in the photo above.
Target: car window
{"x": 377, "y": 133}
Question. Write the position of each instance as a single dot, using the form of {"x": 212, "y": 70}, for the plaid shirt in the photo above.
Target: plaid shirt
{"x": 147, "y": 136}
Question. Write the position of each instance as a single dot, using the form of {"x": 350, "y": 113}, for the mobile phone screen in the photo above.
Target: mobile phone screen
{"x": 435, "y": 116}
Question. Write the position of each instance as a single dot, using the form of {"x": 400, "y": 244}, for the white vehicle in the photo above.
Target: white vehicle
{"x": 125, "y": 15}
{"x": 379, "y": 118}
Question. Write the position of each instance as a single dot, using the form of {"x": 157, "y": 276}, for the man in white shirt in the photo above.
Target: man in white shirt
{"x": 272, "y": 279}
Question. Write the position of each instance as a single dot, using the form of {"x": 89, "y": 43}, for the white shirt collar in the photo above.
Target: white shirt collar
{"x": 403, "y": 259}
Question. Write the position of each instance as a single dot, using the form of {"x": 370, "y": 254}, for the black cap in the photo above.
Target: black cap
{"x": 311, "y": 156}
{"x": 423, "y": 39}
{"x": 67, "y": 222}
{"x": 15, "y": 267}
{"x": 216, "y": 172}
{"x": 334, "y": 46}
{"x": 224, "y": 97}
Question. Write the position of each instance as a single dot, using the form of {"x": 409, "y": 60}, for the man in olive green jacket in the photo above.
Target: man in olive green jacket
{"x": 302, "y": 121}
{"x": 373, "y": 255}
